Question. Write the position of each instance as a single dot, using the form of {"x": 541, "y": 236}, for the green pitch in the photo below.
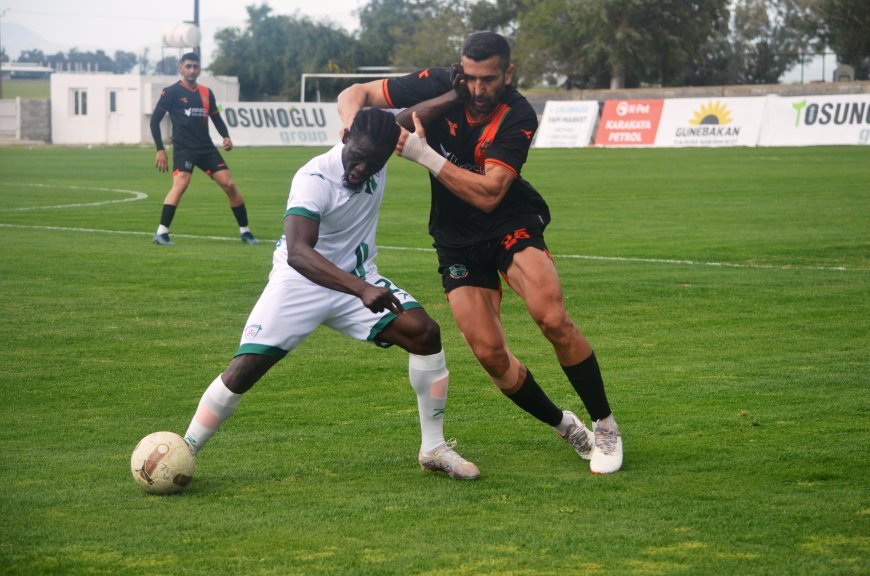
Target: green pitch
{"x": 726, "y": 292}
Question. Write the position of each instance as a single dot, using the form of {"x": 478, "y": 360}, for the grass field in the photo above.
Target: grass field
{"x": 726, "y": 292}
{"x": 26, "y": 88}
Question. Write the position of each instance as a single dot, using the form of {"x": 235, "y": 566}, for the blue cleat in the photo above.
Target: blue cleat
{"x": 248, "y": 238}
{"x": 163, "y": 240}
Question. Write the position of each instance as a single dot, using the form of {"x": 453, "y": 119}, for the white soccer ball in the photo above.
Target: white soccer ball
{"x": 162, "y": 463}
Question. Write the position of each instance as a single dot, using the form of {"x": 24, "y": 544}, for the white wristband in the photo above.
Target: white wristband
{"x": 416, "y": 149}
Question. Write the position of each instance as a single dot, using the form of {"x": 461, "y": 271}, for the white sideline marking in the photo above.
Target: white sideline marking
{"x": 136, "y": 196}
{"x": 669, "y": 261}
{"x": 118, "y": 232}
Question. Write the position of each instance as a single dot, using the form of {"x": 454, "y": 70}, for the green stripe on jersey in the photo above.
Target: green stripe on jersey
{"x": 302, "y": 212}
{"x": 362, "y": 254}
{"x": 385, "y": 321}
{"x": 261, "y": 350}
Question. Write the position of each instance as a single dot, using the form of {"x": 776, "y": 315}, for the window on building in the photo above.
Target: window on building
{"x": 113, "y": 101}
{"x": 80, "y": 102}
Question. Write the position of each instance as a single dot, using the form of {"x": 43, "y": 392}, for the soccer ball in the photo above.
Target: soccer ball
{"x": 162, "y": 463}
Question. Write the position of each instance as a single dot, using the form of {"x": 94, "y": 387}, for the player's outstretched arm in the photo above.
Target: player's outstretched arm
{"x": 483, "y": 191}
{"x": 429, "y": 110}
{"x": 301, "y": 235}
{"x": 358, "y": 96}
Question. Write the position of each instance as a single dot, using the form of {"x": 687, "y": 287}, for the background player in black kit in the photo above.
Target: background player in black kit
{"x": 190, "y": 106}
{"x": 486, "y": 219}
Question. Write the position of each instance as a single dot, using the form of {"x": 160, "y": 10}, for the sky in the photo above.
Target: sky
{"x": 132, "y": 26}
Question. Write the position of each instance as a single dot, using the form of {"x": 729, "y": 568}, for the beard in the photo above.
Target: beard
{"x": 353, "y": 187}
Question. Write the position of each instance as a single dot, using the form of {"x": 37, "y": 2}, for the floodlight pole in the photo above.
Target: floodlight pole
{"x": 196, "y": 23}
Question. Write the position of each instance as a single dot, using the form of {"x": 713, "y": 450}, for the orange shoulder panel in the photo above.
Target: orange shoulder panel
{"x": 502, "y": 164}
{"x": 386, "y": 92}
{"x": 203, "y": 95}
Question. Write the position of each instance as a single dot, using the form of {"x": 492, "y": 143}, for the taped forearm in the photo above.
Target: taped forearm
{"x": 418, "y": 150}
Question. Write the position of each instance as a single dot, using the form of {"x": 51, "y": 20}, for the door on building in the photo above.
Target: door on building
{"x": 115, "y": 116}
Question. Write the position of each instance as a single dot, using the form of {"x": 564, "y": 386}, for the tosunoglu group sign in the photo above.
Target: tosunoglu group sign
{"x": 282, "y": 124}
{"x": 816, "y": 120}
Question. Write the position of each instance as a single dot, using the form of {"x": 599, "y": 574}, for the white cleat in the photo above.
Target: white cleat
{"x": 444, "y": 458}
{"x": 579, "y": 437}
{"x": 607, "y": 457}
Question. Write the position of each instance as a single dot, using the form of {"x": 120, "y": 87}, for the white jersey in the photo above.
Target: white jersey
{"x": 291, "y": 307}
{"x": 348, "y": 217}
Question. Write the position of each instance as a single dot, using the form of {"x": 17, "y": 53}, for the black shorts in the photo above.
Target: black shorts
{"x": 207, "y": 160}
{"x": 479, "y": 264}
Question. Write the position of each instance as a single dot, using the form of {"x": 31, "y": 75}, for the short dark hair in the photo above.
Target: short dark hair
{"x": 483, "y": 45}
{"x": 192, "y": 56}
{"x": 378, "y": 125}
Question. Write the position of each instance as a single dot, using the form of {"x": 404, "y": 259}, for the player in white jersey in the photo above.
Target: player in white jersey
{"x": 323, "y": 272}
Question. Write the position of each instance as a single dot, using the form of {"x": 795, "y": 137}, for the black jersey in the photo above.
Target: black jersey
{"x": 503, "y": 137}
{"x": 190, "y": 110}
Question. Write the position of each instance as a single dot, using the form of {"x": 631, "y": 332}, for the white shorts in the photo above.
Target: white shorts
{"x": 291, "y": 307}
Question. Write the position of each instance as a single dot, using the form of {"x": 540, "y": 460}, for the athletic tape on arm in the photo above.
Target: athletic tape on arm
{"x": 417, "y": 150}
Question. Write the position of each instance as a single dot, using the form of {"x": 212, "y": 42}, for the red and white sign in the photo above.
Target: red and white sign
{"x": 629, "y": 123}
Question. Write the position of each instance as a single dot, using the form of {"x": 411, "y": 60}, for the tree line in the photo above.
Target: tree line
{"x": 99, "y": 61}
{"x": 559, "y": 43}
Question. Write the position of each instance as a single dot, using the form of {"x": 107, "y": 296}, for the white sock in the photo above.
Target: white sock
{"x": 243, "y": 229}
{"x": 162, "y": 229}
{"x": 216, "y": 405}
{"x": 429, "y": 376}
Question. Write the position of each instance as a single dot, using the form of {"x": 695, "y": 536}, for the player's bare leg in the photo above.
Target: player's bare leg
{"x": 533, "y": 276}
{"x": 220, "y": 399}
{"x": 420, "y": 336}
{"x": 476, "y": 311}
{"x": 224, "y": 179}
{"x": 180, "y": 182}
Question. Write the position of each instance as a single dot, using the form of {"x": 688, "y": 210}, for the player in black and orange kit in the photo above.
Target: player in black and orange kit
{"x": 486, "y": 219}
{"x": 190, "y": 106}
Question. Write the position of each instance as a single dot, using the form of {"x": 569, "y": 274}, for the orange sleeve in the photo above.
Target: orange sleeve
{"x": 502, "y": 164}
{"x": 386, "y": 90}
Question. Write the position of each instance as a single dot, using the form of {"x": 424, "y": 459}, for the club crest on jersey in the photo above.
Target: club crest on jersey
{"x": 458, "y": 271}
{"x": 252, "y": 331}
{"x": 452, "y": 126}
{"x": 371, "y": 185}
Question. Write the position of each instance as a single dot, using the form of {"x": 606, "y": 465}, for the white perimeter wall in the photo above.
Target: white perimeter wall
{"x": 668, "y": 122}
{"x": 135, "y": 98}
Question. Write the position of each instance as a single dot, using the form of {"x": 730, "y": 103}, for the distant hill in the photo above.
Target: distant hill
{"x": 17, "y": 39}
